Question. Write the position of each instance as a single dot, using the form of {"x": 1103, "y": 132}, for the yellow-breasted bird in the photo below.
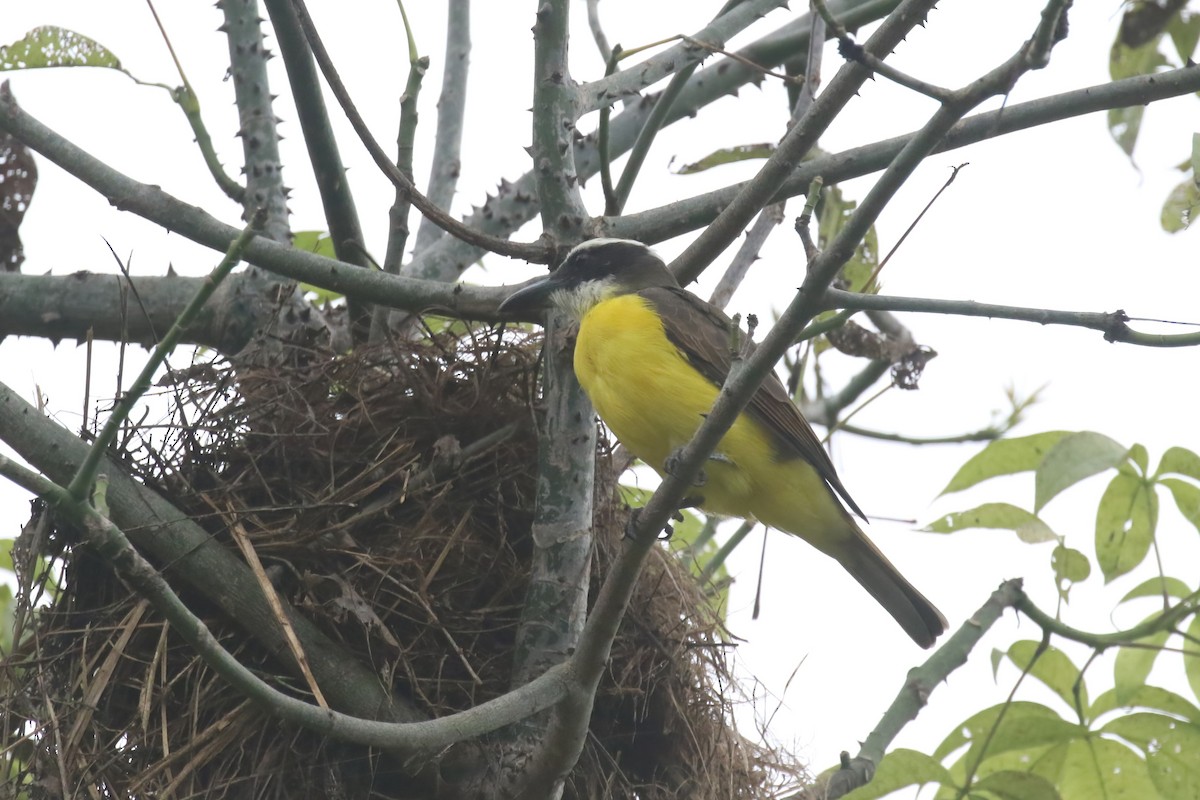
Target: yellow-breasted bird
{"x": 652, "y": 358}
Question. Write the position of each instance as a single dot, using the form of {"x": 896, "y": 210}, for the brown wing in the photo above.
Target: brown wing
{"x": 701, "y": 332}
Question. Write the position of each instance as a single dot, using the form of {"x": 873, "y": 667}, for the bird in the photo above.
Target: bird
{"x": 652, "y": 358}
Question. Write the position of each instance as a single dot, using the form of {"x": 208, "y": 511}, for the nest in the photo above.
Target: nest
{"x": 389, "y": 495}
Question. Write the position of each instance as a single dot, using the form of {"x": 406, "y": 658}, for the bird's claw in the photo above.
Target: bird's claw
{"x": 671, "y": 466}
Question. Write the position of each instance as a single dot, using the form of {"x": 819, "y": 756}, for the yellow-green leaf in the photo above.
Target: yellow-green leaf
{"x": 1145, "y": 696}
{"x": 1075, "y": 457}
{"x": 1158, "y": 586}
{"x": 898, "y": 769}
{"x": 1191, "y": 655}
{"x": 1013, "y": 785}
{"x": 1171, "y": 748}
{"x": 1133, "y": 664}
{"x": 52, "y": 46}
{"x": 1070, "y": 565}
{"x": 1005, "y": 457}
{"x": 1021, "y": 725}
{"x": 1125, "y": 523}
{"x": 1101, "y": 769}
{"x": 1004, "y": 516}
{"x": 1180, "y": 206}
{"x": 1187, "y": 498}
{"x": 728, "y": 155}
{"x": 1180, "y": 461}
{"x": 1053, "y": 668}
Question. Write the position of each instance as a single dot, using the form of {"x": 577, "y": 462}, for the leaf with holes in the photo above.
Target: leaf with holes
{"x": 1005, "y": 516}
{"x": 1125, "y": 523}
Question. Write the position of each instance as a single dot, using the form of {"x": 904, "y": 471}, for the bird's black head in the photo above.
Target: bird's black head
{"x": 591, "y": 272}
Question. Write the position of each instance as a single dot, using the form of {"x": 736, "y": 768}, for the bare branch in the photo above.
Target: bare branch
{"x": 535, "y": 252}
{"x": 757, "y": 193}
{"x": 452, "y": 104}
{"x": 1114, "y": 325}
{"x": 680, "y": 217}
{"x": 187, "y": 220}
{"x": 256, "y": 117}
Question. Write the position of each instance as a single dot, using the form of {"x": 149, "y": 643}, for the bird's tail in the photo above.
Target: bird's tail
{"x": 919, "y": 618}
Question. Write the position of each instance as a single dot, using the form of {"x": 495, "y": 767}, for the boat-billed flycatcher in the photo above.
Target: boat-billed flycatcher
{"x": 652, "y": 358}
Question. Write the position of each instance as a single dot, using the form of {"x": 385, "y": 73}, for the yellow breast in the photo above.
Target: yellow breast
{"x": 653, "y": 400}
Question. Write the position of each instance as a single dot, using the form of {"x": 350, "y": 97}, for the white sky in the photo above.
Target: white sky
{"x": 1054, "y": 218}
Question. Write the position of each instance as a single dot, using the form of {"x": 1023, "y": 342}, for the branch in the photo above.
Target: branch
{"x": 593, "y": 18}
{"x": 58, "y": 307}
{"x": 333, "y": 184}
{"x": 252, "y": 95}
{"x": 914, "y": 695}
{"x": 768, "y": 219}
{"x": 451, "y": 107}
{"x": 516, "y": 203}
{"x": 535, "y": 252}
{"x": 1159, "y": 623}
{"x": 678, "y": 218}
{"x": 632, "y": 80}
{"x": 799, "y": 140}
{"x": 535, "y": 760}
{"x": 187, "y": 220}
{"x": 1112, "y": 324}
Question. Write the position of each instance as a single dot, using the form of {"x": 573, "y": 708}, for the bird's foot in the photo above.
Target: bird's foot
{"x": 691, "y": 501}
{"x": 671, "y": 466}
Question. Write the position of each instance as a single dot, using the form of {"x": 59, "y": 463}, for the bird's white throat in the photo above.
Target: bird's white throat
{"x": 578, "y": 300}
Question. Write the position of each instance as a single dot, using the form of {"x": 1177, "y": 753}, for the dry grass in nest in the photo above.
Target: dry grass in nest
{"x": 358, "y": 486}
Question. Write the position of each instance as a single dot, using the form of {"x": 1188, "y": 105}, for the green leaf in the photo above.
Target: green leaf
{"x": 1070, "y": 565}
{"x": 318, "y": 242}
{"x": 51, "y": 46}
{"x": 1127, "y": 62}
{"x": 1052, "y": 668}
{"x": 898, "y": 769}
{"x": 1172, "y": 751}
{"x": 1184, "y": 30}
{"x": 1124, "y": 125}
{"x": 1101, "y": 769}
{"x": 1005, "y": 457}
{"x": 833, "y": 213}
{"x": 1014, "y": 785}
{"x": 1125, "y": 523}
{"x": 1145, "y": 696}
{"x": 1180, "y": 206}
{"x": 1158, "y": 586}
{"x": 1138, "y": 455}
{"x": 1187, "y": 499}
{"x": 8, "y": 610}
{"x": 728, "y": 155}
{"x": 1078, "y": 456}
{"x": 1133, "y": 664}
{"x": 1005, "y": 516}
{"x": 1022, "y": 725}
{"x": 6, "y": 561}
{"x": 1180, "y": 461}
{"x": 1191, "y": 656}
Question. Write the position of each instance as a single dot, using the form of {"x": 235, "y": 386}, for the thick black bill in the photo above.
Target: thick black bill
{"x": 532, "y": 299}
